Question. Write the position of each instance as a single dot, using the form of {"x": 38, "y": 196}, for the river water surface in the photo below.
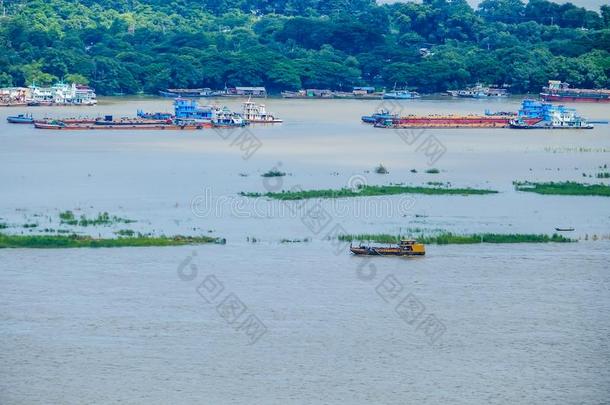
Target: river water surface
{"x": 483, "y": 323}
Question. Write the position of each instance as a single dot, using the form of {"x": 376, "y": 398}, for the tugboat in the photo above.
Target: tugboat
{"x": 257, "y": 114}
{"x": 381, "y": 114}
{"x": 548, "y": 116}
{"x": 406, "y": 247}
{"x": 20, "y": 119}
{"x": 225, "y": 118}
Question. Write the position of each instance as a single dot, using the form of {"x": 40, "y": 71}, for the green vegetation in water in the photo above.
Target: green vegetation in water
{"x": 381, "y": 169}
{"x": 433, "y": 171}
{"x": 103, "y": 218}
{"x": 368, "y": 191}
{"x": 564, "y": 188}
{"x": 603, "y": 175}
{"x": 3, "y": 225}
{"x": 304, "y": 240}
{"x": 448, "y": 238}
{"x": 79, "y": 241}
{"x": 30, "y": 225}
{"x": 125, "y": 232}
{"x": 274, "y": 173}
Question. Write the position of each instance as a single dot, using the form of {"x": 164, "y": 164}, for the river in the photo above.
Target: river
{"x": 261, "y": 321}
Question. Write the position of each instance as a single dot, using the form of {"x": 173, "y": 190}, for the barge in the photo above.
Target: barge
{"x": 60, "y": 125}
{"x": 450, "y": 121}
{"x": 404, "y": 248}
{"x": 559, "y": 91}
{"x": 532, "y": 115}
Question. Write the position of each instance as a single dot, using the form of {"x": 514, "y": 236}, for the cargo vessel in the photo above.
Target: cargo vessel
{"x": 451, "y": 121}
{"x": 560, "y": 91}
{"x": 549, "y": 117}
{"x": 532, "y": 115}
{"x": 404, "y": 248}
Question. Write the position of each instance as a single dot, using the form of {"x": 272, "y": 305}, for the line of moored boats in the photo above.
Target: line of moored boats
{"x": 187, "y": 115}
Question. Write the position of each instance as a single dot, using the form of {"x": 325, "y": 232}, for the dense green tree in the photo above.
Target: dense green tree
{"x": 122, "y": 46}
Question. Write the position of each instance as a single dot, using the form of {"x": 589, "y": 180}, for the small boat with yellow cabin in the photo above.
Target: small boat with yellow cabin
{"x": 406, "y": 247}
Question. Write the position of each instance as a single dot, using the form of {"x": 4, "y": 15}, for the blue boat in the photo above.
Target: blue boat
{"x": 540, "y": 115}
{"x": 20, "y": 119}
{"x": 382, "y": 114}
{"x": 401, "y": 95}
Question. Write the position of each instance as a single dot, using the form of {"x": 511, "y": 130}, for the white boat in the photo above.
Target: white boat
{"x": 257, "y": 114}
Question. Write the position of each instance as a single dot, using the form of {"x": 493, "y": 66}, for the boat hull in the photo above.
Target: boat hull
{"x": 450, "y": 122}
{"x": 84, "y": 127}
{"x": 574, "y": 99}
{"x": 19, "y": 120}
{"x": 383, "y": 251}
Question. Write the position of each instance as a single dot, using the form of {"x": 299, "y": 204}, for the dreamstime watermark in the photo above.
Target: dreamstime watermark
{"x": 429, "y": 145}
{"x": 228, "y": 305}
{"x": 207, "y": 205}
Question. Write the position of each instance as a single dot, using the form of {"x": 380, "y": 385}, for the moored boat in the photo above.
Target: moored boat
{"x": 381, "y": 114}
{"x": 401, "y": 95}
{"x": 20, "y": 119}
{"x": 559, "y": 91}
{"x": 189, "y": 93}
{"x": 257, "y": 114}
{"x": 404, "y": 248}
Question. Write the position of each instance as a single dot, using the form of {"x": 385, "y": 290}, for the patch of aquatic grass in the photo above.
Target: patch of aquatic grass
{"x": 603, "y": 175}
{"x": 564, "y": 188}
{"x": 3, "y": 225}
{"x": 368, "y": 191}
{"x": 448, "y": 238}
{"x": 103, "y": 218}
{"x": 30, "y": 225}
{"x": 79, "y": 241}
{"x": 273, "y": 173}
{"x": 433, "y": 171}
{"x": 294, "y": 240}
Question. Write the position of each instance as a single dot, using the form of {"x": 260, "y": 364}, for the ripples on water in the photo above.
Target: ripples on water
{"x": 524, "y": 323}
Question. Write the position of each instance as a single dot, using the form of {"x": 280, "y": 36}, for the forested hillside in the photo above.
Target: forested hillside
{"x": 130, "y": 46}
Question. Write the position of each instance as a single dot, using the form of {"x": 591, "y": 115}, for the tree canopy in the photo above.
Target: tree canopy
{"x": 129, "y": 46}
